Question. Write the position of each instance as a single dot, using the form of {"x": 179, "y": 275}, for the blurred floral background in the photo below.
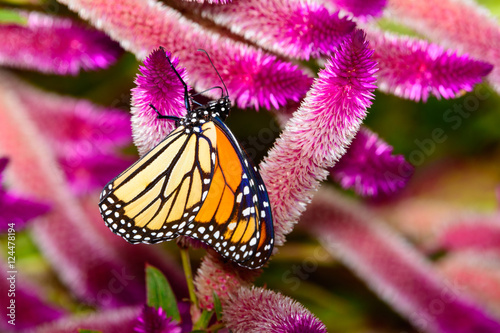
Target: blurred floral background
{"x": 402, "y": 236}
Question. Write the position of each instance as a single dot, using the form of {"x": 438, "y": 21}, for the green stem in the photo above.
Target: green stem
{"x": 186, "y": 265}
{"x": 215, "y": 327}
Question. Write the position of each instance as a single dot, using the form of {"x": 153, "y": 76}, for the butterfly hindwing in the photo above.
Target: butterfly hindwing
{"x": 156, "y": 198}
{"x": 234, "y": 219}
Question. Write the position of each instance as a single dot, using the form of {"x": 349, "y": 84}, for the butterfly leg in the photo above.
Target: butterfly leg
{"x": 160, "y": 116}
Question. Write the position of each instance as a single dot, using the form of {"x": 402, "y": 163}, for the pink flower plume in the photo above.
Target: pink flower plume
{"x": 76, "y": 126}
{"x": 84, "y": 136}
{"x": 319, "y": 131}
{"x": 478, "y": 233}
{"x": 392, "y": 268}
{"x": 209, "y": 1}
{"x": 87, "y": 173}
{"x": 53, "y": 45}
{"x": 221, "y": 278}
{"x": 159, "y": 86}
{"x": 154, "y": 320}
{"x": 257, "y": 79}
{"x": 369, "y": 167}
{"x": 476, "y": 273}
{"x": 458, "y": 24}
{"x": 361, "y": 8}
{"x": 261, "y": 310}
{"x": 415, "y": 69}
{"x": 17, "y": 209}
{"x": 296, "y": 29}
{"x": 117, "y": 320}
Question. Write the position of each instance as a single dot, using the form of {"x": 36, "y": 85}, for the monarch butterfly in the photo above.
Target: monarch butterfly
{"x": 197, "y": 182}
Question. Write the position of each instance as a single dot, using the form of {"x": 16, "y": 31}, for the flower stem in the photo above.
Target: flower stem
{"x": 186, "y": 265}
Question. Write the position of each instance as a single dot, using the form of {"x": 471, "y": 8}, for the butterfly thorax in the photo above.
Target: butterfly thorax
{"x": 218, "y": 108}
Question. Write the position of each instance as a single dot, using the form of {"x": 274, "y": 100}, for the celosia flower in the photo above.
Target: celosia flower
{"x": 120, "y": 320}
{"x": 264, "y": 311}
{"x": 156, "y": 321}
{"x": 209, "y": 1}
{"x": 370, "y": 168}
{"x": 414, "y": 69}
{"x": 299, "y": 29}
{"x": 54, "y": 45}
{"x": 361, "y": 8}
{"x": 88, "y": 172}
{"x": 84, "y": 136}
{"x": 478, "y": 233}
{"x": 392, "y": 268}
{"x": 158, "y": 85}
{"x": 315, "y": 137}
{"x": 477, "y": 273}
{"x": 459, "y": 24}
{"x": 75, "y": 127}
{"x": 16, "y": 209}
{"x": 257, "y": 79}
{"x": 221, "y": 278}
{"x": 319, "y": 132}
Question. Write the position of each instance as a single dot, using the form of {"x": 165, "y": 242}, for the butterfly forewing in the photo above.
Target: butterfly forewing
{"x": 156, "y": 198}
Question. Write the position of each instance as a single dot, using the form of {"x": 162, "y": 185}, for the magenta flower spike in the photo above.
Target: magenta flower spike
{"x": 75, "y": 127}
{"x": 257, "y": 79}
{"x": 261, "y": 310}
{"x": 361, "y": 8}
{"x": 369, "y": 167}
{"x": 221, "y": 278}
{"x": 297, "y": 29}
{"x": 477, "y": 33}
{"x": 319, "y": 131}
{"x": 477, "y": 273}
{"x": 84, "y": 136}
{"x": 121, "y": 320}
{"x": 158, "y": 85}
{"x": 16, "y": 210}
{"x": 54, "y": 45}
{"x": 87, "y": 173}
{"x": 394, "y": 270}
{"x": 317, "y": 135}
{"x": 221, "y": 2}
{"x": 155, "y": 321}
{"x": 481, "y": 233}
{"x": 415, "y": 69}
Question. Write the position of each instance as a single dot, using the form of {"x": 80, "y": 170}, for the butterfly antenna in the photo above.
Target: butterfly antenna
{"x": 202, "y": 50}
{"x": 186, "y": 94}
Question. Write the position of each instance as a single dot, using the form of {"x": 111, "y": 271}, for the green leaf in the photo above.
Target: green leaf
{"x": 217, "y": 306}
{"x": 160, "y": 294}
{"x": 202, "y": 323}
{"x": 88, "y": 331}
